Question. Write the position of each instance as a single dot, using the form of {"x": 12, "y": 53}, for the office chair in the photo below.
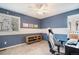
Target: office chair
{"x": 55, "y": 43}
{"x": 51, "y": 48}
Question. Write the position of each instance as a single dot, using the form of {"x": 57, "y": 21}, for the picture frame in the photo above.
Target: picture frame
{"x": 30, "y": 25}
{"x": 35, "y": 26}
{"x": 25, "y": 25}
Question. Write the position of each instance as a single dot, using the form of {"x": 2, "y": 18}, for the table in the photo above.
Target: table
{"x": 71, "y": 49}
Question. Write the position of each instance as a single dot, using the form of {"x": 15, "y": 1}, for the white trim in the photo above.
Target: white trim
{"x": 33, "y": 31}
{"x": 22, "y": 31}
{"x": 56, "y": 30}
{"x": 12, "y": 46}
{"x": 60, "y": 30}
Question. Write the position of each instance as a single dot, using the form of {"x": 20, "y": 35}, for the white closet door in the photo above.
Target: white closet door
{"x": 15, "y": 24}
{"x": 1, "y": 21}
{"x": 9, "y": 23}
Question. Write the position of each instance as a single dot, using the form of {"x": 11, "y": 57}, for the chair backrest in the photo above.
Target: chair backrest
{"x": 49, "y": 44}
{"x": 54, "y": 40}
{"x": 51, "y": 40}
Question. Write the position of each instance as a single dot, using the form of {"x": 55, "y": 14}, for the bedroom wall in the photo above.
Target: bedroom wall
{"x": 16, "y": 39}
{"x": 13, "y": 40}
{"x": 58, "y": 23}
{"x": 23, "y": 18}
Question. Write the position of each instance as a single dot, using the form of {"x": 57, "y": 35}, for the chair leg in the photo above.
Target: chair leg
{"x": 58, "y": 49}
{"x": 52, "y": 51}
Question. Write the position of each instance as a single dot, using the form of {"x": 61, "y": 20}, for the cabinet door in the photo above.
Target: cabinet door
{"x": 7, "y": 26}
{"x": 15, "y": 24}
{"x": 9, "y": 23}
{"x": 72, "y": 26}
{"x": 1, "y": 22}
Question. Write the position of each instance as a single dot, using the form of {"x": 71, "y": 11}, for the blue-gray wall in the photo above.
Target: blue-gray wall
{"x": 23, "y": 18}
{"x": 57, "y": 21}
{"x": 12, "y": 40}
{"x": 16, "y": 39}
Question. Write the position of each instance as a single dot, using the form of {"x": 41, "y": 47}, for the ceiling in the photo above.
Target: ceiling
{"x": 28, "y": 8}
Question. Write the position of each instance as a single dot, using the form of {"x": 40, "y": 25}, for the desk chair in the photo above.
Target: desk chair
{"x": 57, "y": 50}
{"x": 55, "y": 43}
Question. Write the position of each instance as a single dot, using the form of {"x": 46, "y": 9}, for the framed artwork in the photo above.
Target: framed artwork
{"x": 30, "y": 25}
{"x": 25, "y": 25}
{"x": 35, "y": 26}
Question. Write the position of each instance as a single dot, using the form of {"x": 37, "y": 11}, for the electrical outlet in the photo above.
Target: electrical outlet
{"x": 5, "y": 43}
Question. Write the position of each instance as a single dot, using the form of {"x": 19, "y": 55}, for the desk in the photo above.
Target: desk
{"x": 71, "y": 49}
{"x": 62, "y": 42}
{"x": 61, "y": 38}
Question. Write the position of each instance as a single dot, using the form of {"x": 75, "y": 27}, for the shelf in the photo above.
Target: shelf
{"x": 33, "y": 38}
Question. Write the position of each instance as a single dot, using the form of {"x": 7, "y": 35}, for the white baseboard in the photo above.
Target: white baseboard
{"x": 12, "y": 46}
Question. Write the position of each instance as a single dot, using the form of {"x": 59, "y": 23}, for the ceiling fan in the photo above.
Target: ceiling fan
{"x": 40, "y": 8}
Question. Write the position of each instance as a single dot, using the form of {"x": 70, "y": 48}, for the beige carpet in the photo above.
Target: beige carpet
{"x": 39, "y": 48}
